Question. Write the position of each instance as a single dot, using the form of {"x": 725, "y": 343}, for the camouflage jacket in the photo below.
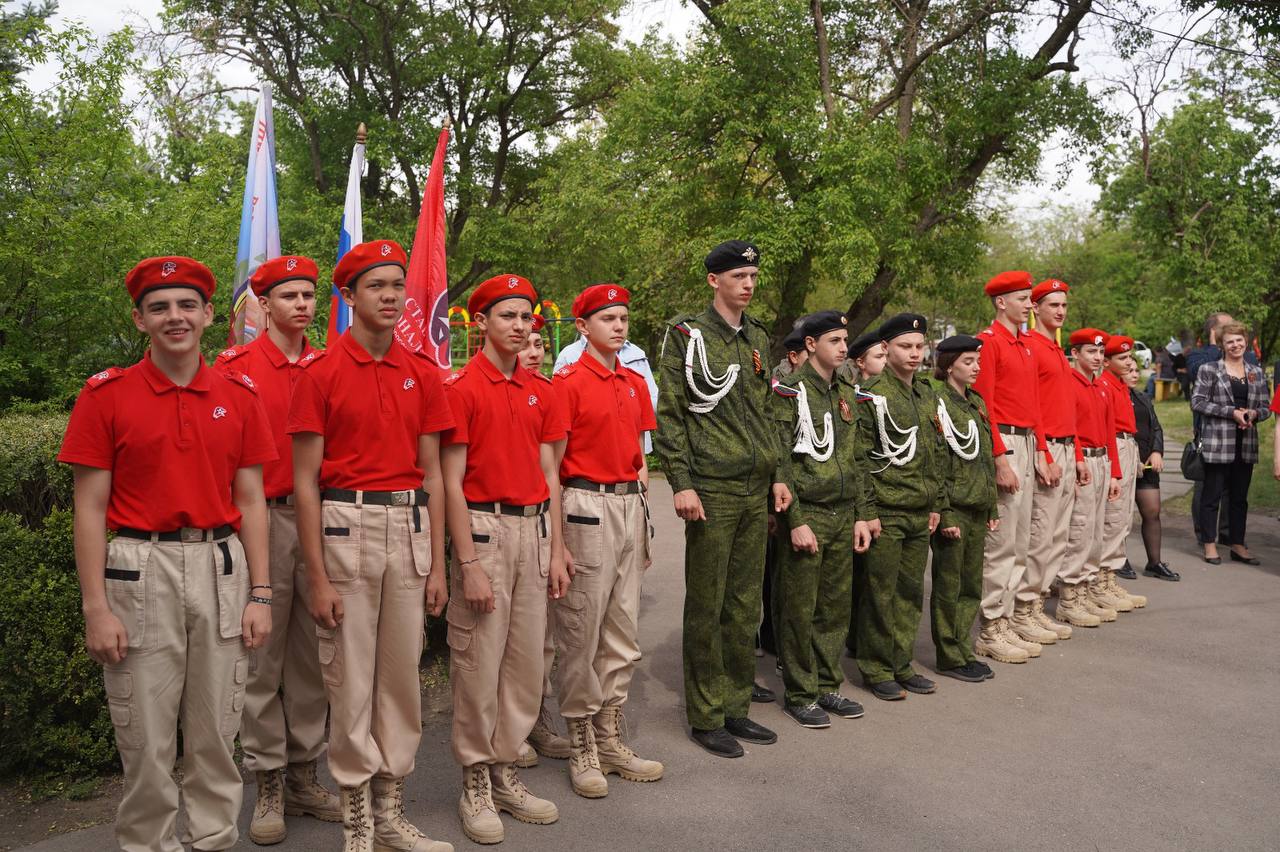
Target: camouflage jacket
{"x": 969, "y": 484}
{"x": 916, "y": 485}
{"x": 732, "y": 448}
{"x": 838, "y": 480}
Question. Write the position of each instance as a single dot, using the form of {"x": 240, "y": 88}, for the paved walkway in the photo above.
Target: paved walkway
{"x": 1157, "y": 732}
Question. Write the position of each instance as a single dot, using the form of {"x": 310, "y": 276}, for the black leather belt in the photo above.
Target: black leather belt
{"x": 1120, "y": 436}
{"x": 286, "y": 500}
{"x": 1067, "y": 441}
{"x": 508, "y": 509}
{"x": 186, "y": 534}
{"x": 632, "y": 487}
{"x": 1006, "y": 429}
{"x": 413, "y": 497}
{"x": 1094, "y": 452}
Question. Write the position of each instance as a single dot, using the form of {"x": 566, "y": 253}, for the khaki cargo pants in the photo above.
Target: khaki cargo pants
{"x": 1005, "y": 551}
{"x": 181, "y": 604}
{"x": 1084, "y": 536}
{"x": 496, "y": 664}
{"x": 1119, "y": 514}
{"x": 285, "y": 726}
{"x": 378, "y": 559}
{"x": 597, "y": 622}
{"x": 1050, "y": 525}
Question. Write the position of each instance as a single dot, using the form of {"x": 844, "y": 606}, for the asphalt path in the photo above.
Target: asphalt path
{"x": 1156, "y": 732}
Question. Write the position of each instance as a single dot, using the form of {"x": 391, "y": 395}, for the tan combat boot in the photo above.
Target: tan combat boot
{"x": 476, "y": 809}
{"x": 528, "y": 757}
{"x": 1118, "y": 591}
{"x": 1071, "y": 607}
{"x": 1120, "y": 603}
{"x": 1097, "y": 600}
{"x": 357, "y": 819}
{"x": 304, "y": 795}
{"x": 545, "y": 739}
{"x": 1033, "y": 649}
{"x": 615, "y": 756}
{"x": 1027, "y": 628}
{"x": 267, "y": 826}
{"x": 1062, "y": 631}
{"x": 584, "y": 762}
{"x": 510, "y": 795}
{"x": 392, "y": 831}
{"x": 991, "y": 643}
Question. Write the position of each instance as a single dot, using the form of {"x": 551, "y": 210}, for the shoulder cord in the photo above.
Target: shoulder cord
{"x": 720, "y": 385}
{"x": 964, "y": 445}
{"x": 896, "y": 454}
{"x": 807, "y": 440}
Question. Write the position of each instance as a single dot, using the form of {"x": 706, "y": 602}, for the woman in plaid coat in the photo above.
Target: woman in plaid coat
{"x": 1231, "y": 397}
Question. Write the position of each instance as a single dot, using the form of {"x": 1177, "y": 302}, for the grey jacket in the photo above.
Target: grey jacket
{"x": 1211, "y": 399}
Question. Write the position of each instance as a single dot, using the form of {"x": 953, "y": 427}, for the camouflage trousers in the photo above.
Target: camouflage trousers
{"x": 723, "y": 575}
{"x": 815, "y": 591}
{"x": 859, "y": 581}
{"x": 957, "y": 587}
{"x": 892, "y": 596}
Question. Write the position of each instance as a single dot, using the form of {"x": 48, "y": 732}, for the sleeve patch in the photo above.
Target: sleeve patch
{"x": 97, "y": 380}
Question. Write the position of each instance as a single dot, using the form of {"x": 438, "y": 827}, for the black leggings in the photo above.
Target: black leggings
{"x": 1234, "y": 478}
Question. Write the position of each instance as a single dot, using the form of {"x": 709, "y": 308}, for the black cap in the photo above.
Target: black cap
{"x": 960, "y": 343}
{"x": 900, "y": 324}
{"x": 732, "y": 255}
{"x": 863, "y": 342}
{"x": 818, "y": 324}
{"x": 794, "y": 342}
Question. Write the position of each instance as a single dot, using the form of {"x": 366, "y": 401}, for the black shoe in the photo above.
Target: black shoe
{"x": 1126, "y": 572}
{"x": 808, "y": 715}
{"x": 919, "y": 684}
{"x": 761, "y": 694}
{"x": 752, "y": 732}
{"x": 1212, "y": 560}
{"x": 1161, "y": 571}
{"x": 1247, "y": 560}
{"x": 837, "y": 704}
{"x": 718, "y": 742}
{"x": 887, "y": 690}
{"x": 969, "y": 673}
{"x": 984, "y": 668}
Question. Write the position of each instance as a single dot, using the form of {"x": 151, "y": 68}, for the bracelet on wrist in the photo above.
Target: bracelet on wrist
{"x": 260, "y": 586}
{"x": 259, "y": 600}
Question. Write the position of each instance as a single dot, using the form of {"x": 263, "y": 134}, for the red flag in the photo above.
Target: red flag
{"x": 424, "y": 326}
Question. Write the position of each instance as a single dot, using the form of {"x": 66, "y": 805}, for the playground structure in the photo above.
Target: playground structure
{"x": 464, "y": 342}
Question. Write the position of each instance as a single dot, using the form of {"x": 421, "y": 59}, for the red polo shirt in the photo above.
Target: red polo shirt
{"x": 503, "y": 422}
{"x": 1008, "y": 383}
{"x": 1094, "y": 418}
{"x": 609, "y": 411}
{"x": 172, "y": 451}
{"x": 1057, "y": 408}
{"x": 1275, "y": 400}
{"x": 371, "y": 414}
{"x": 275, "y": 377}
{"x": 1121, "y": 405}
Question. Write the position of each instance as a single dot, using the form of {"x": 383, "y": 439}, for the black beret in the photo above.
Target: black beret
{"x": 960, "y": 343}
{"x": 900, "y": 324}
{"x": 732, "y": 255}
{"x": 863, "y": 342}
{"x": 818, "y": 324}
{"x": 794, "y": 342}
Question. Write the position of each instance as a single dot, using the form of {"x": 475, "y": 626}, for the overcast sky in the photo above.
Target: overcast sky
{"x": 674, "y": 18}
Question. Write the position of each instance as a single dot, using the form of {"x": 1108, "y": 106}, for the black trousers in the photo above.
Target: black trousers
{"x": 1232, "y": 479}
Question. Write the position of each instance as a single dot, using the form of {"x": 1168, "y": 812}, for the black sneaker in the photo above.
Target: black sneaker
{"x": 919, "y": 684}
{"x": 1126, "y": 572}
{"x": 761, "y": 694}
{"x": 887, "y": 690}
{"x": 752, "y": 732}
{"x": 808, "y": 715}
{"x": 837, "y": 705}
{"x": 984, "y": 668}
{"x": 718, "y": 742}
{"x": 969, "y": 673}
{"x": 1161, "y": 571}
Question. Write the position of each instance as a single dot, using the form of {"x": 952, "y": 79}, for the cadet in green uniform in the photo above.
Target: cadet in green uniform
{"x": 903, "y": 455}
{"x": 821, "y": 527}
{"x": 970, "y": 479}
{"x": 719, "y": 450}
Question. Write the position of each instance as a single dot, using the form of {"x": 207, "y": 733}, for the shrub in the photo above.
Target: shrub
{"x": 52, "y": 705}
{"x": 32, "y": 482}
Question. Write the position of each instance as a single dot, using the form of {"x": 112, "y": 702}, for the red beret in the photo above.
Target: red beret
{"x": 277, "y": 270}
{"x": 538, "y": 322}
{"x": 157, "y": 273}
{"x": 1044, "y": 288}
{"x": 497, "y": 288}
{"x": 597, "y": 297}
{"x": 1008, "y": 282}
{"x": 1089, "y": 336}
{"x": 360, "y": 259}
{"x": 1119, "y": 345}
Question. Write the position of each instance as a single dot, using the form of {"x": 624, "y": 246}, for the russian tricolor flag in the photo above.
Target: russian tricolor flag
{"x": 350, "y": 233}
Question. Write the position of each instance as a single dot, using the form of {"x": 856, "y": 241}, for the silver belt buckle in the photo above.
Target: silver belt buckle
{"x": 530, "y": 511}
{"x": 618, "y": 488}
{"x": 191, "y": 534}
{"x": 400, "y": 498}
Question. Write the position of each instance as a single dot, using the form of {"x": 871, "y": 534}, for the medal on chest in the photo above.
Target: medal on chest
{"x": 846, "y": 413}
{"x": 756, "y": 363}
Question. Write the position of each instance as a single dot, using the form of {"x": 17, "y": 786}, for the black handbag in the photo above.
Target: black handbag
{"x": 1193, "y": 460}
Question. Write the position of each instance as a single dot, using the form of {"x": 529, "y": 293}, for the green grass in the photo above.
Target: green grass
{"x": 1175, "y": 417}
